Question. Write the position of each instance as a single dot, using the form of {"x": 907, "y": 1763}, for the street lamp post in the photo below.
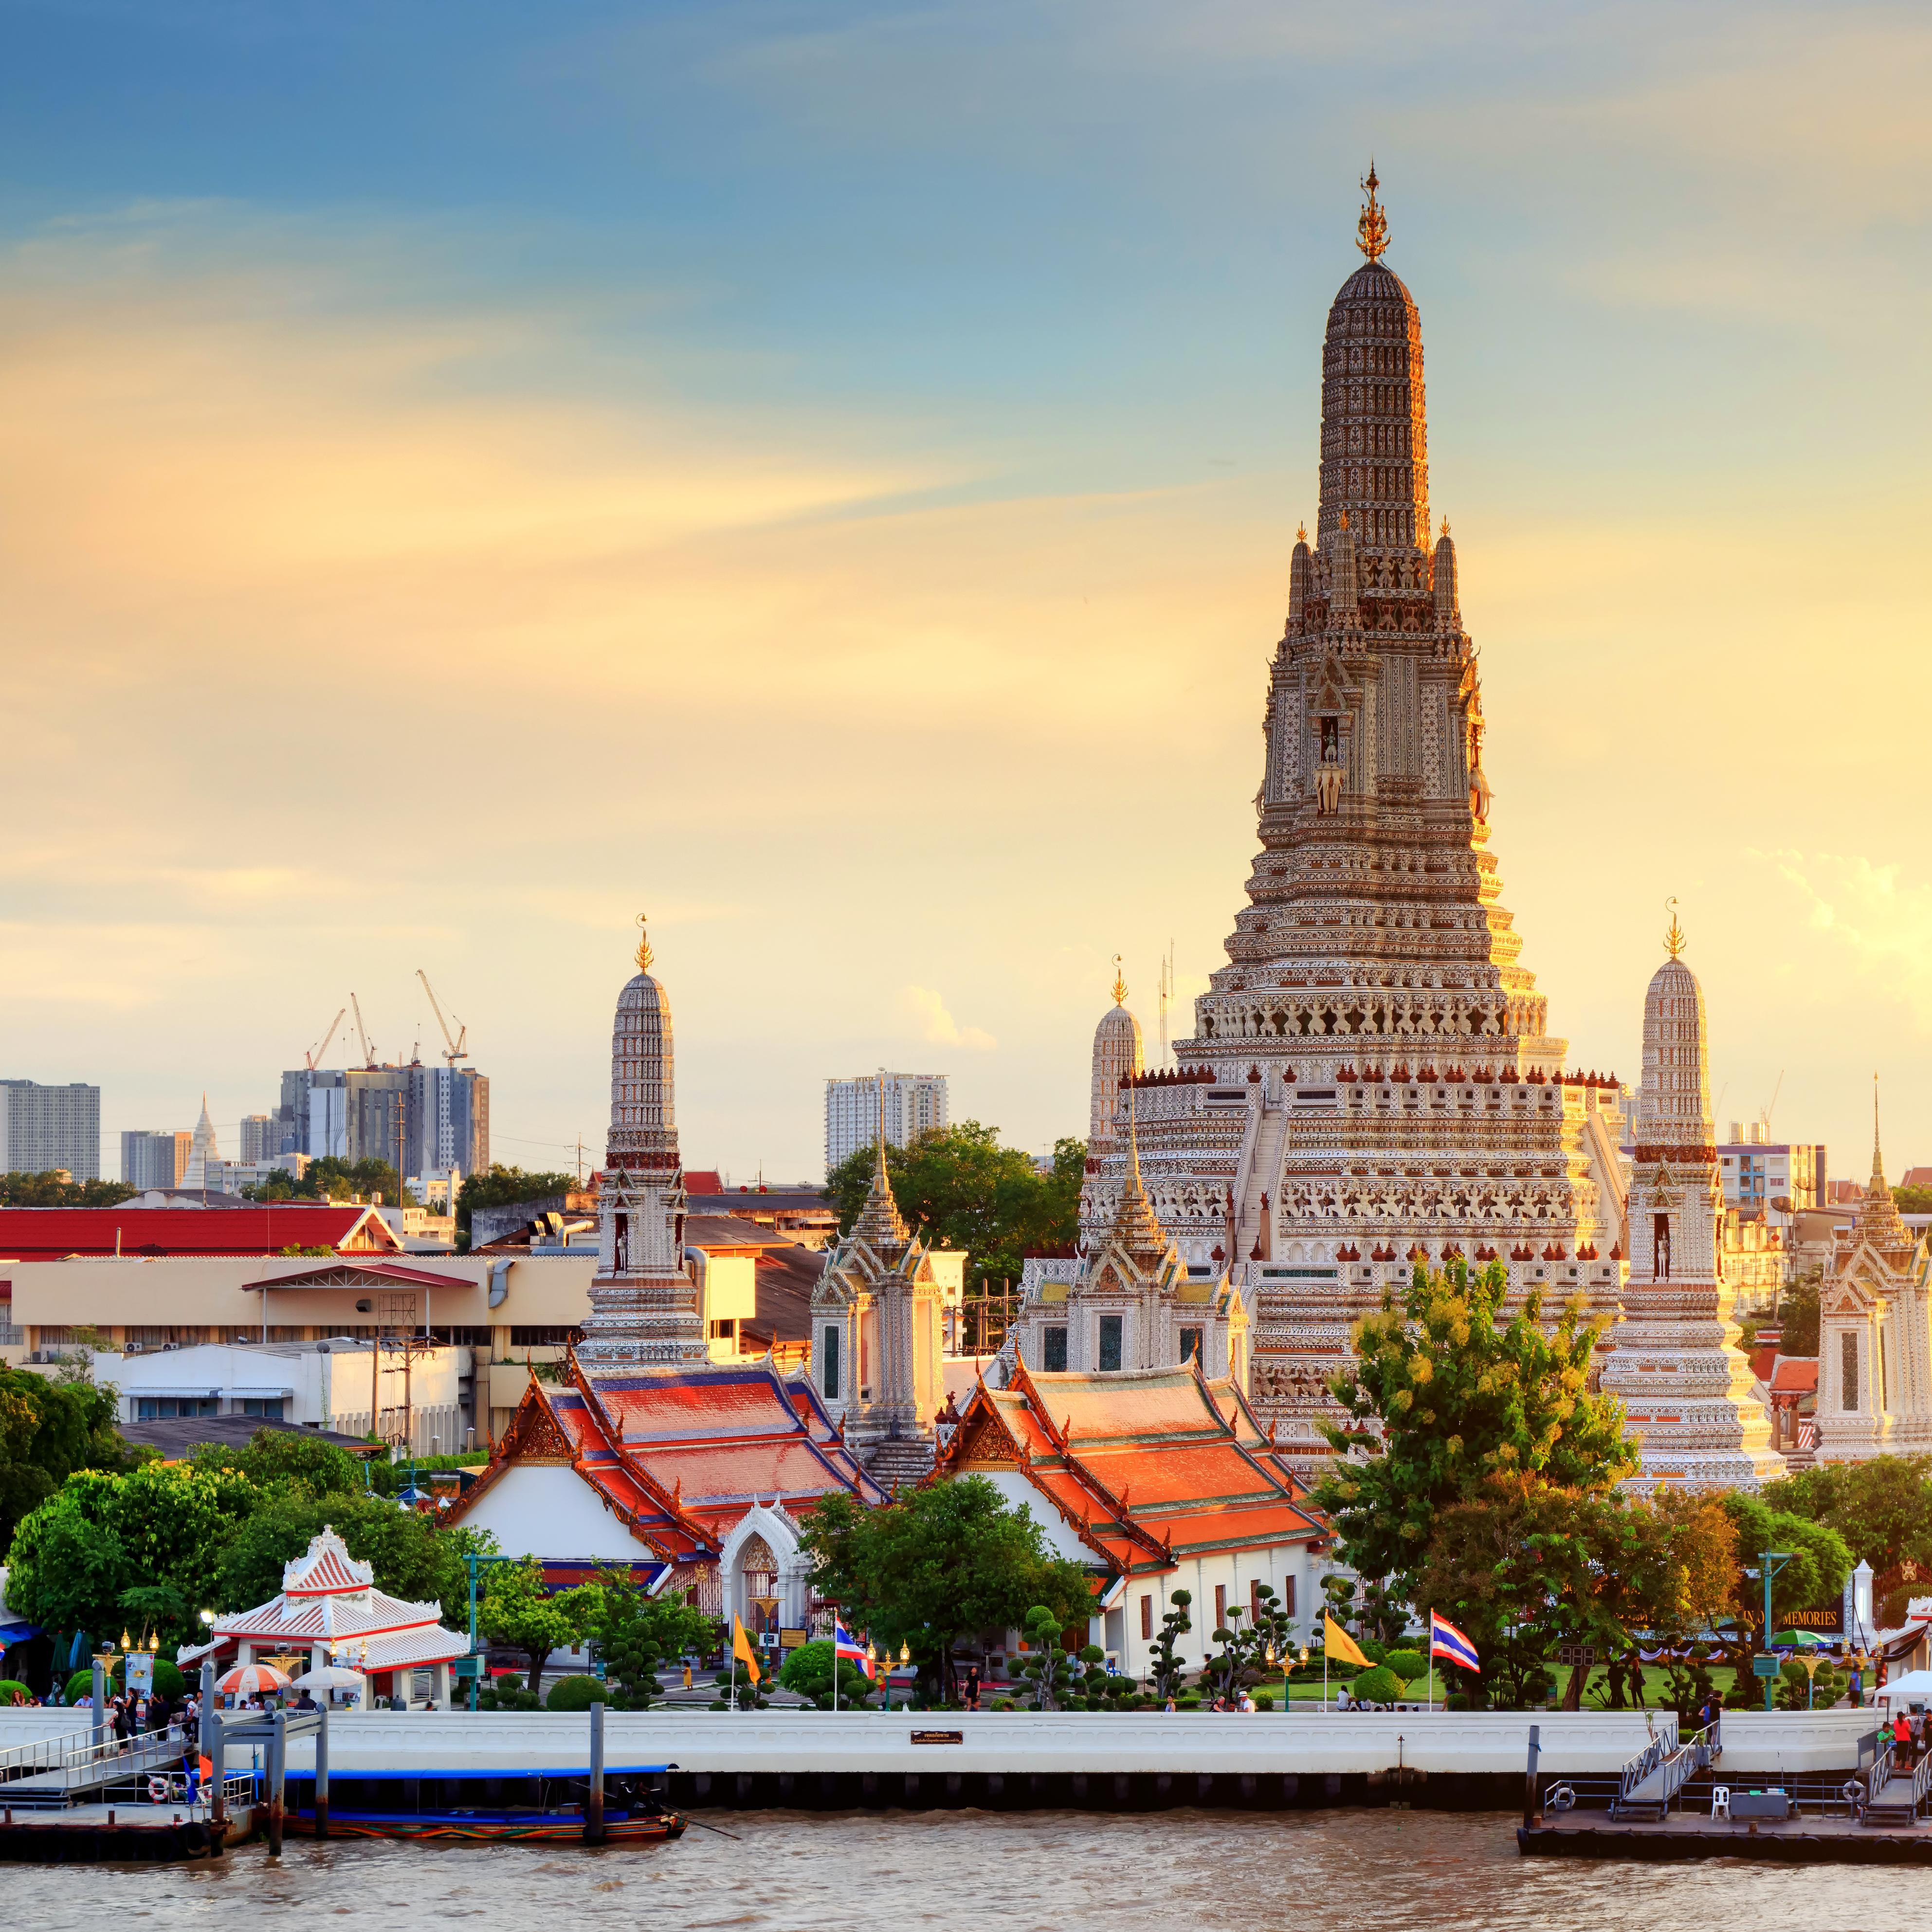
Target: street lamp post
{"x": 1771, "y": 1561}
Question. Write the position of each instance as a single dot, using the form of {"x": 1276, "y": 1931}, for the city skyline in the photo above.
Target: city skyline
{"x": 449, "y": 516}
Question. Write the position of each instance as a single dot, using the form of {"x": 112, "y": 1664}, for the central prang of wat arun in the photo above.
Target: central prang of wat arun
{"x": 1370, "y": 1082}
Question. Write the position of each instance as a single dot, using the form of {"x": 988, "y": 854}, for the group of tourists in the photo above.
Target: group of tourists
{"x": 1908, "y": 1736}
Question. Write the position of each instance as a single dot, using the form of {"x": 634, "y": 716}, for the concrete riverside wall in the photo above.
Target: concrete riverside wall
{"x": 816, "y": 1743}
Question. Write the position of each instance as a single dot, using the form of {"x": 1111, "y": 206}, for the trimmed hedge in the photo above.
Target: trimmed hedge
{"x": 169, "y": 1682}
{"x": 577, "y": 1693}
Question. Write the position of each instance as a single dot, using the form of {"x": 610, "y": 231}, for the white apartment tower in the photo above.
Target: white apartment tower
{"x": 914, "y": 1104}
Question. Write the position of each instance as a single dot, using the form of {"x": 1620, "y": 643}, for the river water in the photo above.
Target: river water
{"x": 1041, "y": 1871}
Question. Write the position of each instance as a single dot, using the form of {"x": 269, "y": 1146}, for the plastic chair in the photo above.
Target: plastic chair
{"x": 1720, "y": 1801}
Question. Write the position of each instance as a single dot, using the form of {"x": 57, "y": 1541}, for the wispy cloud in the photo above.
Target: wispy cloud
{"x": 925, "y": 1011}
{"x": 1876, "y": 920}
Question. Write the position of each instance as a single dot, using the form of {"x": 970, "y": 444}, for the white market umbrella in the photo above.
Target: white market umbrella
{"x": 1914, "y": 1684}
{"x": 328, "y": 1677}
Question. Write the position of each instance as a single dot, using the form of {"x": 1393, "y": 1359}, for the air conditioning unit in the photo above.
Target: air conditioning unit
{"x": 168, "y": 1347}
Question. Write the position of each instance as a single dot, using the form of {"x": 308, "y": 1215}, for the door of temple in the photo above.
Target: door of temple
{"x": 760, "y": 1569}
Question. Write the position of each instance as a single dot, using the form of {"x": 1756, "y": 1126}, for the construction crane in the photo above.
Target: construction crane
{"x": 1770, "y": 1106}
{"x": 458, "y": 1048}
{"x": 315, "y": 1058}
{"x": 368, "y": 1051}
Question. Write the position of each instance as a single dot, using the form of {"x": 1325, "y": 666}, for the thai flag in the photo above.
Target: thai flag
{"x": 845, "y": 1650}
{"x": 1446, "y": 1641}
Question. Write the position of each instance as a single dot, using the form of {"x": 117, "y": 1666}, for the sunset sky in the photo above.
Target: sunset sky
{"x": 825, "y": 475}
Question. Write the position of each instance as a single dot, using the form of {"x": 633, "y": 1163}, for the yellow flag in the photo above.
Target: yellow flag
{"x": 1342, "y": 1648}
{"x": 741, "y": 1648}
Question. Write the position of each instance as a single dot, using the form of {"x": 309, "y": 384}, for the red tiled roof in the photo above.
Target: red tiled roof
{"x": 53, "y": 1233}
{"x": 1795, "y": 1374}
{"x": 1146, "y": 1468}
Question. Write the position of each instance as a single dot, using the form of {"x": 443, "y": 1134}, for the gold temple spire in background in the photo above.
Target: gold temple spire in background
{"x": 644, "y": 953}
{"x": 1120, "y": 985}
{"x": 1372, "y": 233}
{"x": 1673, "y": 940}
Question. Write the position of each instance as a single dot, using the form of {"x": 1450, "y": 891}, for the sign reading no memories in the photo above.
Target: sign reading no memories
{"x": 1821, "y": 1623}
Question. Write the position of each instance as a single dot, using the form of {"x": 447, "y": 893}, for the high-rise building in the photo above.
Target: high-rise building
{"x": 45, "y": 1128}
{"x": 1370, "y": 1081}
{"x": 915, "y": 1103}
{"x": 257, "y": 1132}
{"x": 152, "y": 1158}
{"x": 1776, "y": 1179}
{"x": 423, "y": 1119}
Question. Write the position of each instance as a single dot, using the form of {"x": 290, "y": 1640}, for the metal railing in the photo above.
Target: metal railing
{"x": 77, "y": 1759}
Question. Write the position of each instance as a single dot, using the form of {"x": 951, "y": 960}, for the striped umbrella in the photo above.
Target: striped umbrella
{"x": 252, "y": 1680}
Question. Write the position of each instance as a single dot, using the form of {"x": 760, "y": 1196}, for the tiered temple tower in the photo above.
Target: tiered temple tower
{"x": 644, "y": 1306}
{"x": 878, "y": 1330}
{"x": 1370, "y": 1082}
{"x": 1685, "y": 1385}
{"x": 1117, "y": 1056}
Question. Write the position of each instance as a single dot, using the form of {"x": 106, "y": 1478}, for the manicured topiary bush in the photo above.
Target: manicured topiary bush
{"x": 9, "y": 1687}
{"x": 576, "y": 1693}
{"x": 1409, "y": 1665}
{"x": 1378, "y": 1686}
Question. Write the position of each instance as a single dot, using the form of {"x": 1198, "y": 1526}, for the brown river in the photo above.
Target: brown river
{"x": 1045, "y": 1871}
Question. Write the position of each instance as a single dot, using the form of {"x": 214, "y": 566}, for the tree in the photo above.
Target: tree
{"x": 1444, "y": 1395}
{"x": 962, "y": 1189}
{"x": 936, "y": 1562}
{"x": 1814, "y": 1578}
{"x": 49, "y": 1190}
{"x": 1798, "y": 1312}
{"x": 808, "y": 1670}
{"x": 636, "y": 1635}
{"x": 501, "y": 1185}
{"x": 1882, "y": 1508}
{"x": 332, "y": 1178}
{"x": 291, "y": 1456}
{"x": 1044, "y": 1633}
{"x": 48, "y": 1429}
{"x": 518, "y": 1610}
{"x": 1166, "y": 1667}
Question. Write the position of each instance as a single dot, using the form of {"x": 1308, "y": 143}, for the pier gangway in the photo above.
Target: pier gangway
{"x": 59, "y": 1772}
{"x": 1896, "y": 1796}
{"x": 1651, "y": 1781}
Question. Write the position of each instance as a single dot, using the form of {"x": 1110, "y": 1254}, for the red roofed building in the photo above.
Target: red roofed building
{"x": 1159, "y": 1480}
{"x": 62, "y": 1234}
{"x": 330, "y": 1612}
{"x": 698, "y": 1477}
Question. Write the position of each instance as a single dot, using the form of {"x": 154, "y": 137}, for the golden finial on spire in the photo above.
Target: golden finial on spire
{"x": 1673, "y": 940}
{"x": 1301, "y": 533}
{"x": 1371, "y": 230}
{"x": 1445, "y": 526}
{"x": 645, "y": 955}
{"x": 1120, "y": 985}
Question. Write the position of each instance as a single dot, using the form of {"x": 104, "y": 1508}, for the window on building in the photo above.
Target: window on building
{"x": 1110, "y": 1341}
{"x": 1254, "y": 1602}
{"x": 1053, "y": 1349}
{"x": 166, "y": 1408}
{"x": 543, "y": 1338}
{"x": 268, "y": 1407}
{"x": 1287, "y": 1594}
{"x": 1147, "y": 1616}
{"x": 830, "y": 1361}
{"x": 1220, "y": 1607}
{"x": 1848, "y": 1372}
{"x": 1191, "y": 1340}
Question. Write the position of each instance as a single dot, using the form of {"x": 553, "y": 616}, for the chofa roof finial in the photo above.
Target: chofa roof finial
{"x": 1673, "y": 940}
{"x": 645, "y": 955}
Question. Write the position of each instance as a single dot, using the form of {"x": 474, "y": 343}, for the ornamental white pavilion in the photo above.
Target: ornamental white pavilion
{"x": 330, "y": 1612}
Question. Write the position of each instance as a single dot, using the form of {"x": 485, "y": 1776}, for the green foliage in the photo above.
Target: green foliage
{"x": 966, "y": 1191}
{"x": 11, "y": 1687}
{"x": 577, "y": 1692}
{"x": 1380, "y": 1685}
{"x": 1460, "y": 1397}
{"x": 332, "y": 1178}
{"x": 636, "y": 1635}
{"x": 48, "y": 1429}
{"x": 285, "y": 1456}
{"x": 518, "y": 1611}
{"x": 936, "y": 1561}
{"x": 506, "y": 1693}
{"x": 48, "y": 1190}
{"x": 1045, "y": 1666}
{"x": 170, "y": 1684}
{"x": 500, "y": 1187}
{"x": 1814, "y": 1579}
{"x": 1798, "y": 1314}
{"x": 1165, "y": 1667}
{"x": 1409, "y": 1665}
{"x": 1882, "y": 1508}
{"x": 808, "y": 1670}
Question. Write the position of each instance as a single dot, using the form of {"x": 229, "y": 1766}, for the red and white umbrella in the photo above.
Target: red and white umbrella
{"x": 252, "y": 1680}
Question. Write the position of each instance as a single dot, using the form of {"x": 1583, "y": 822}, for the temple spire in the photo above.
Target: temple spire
{"x": 1673, "y": 940}
{"x": 1371, "y": 234}
{"x": 879, "y": 1222}
{"x": 1878, "y": 1158}
{"x": 1136, "y": 1226}
{"x": 1120, "y": 984}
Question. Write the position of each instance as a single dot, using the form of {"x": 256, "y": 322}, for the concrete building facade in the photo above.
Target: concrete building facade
{"x": 915, "y": 1103}
{"x": 45, "y": 1128}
